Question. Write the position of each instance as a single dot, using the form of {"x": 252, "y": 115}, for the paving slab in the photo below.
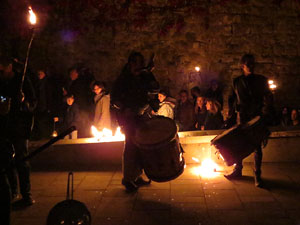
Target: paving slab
{"x": 188, "y": 200}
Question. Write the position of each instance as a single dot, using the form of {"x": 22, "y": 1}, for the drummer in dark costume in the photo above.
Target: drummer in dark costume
{"x": 250, "y": 97}
{"x": 130, "y": 95}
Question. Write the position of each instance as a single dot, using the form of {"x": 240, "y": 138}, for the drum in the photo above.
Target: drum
{"x": 159, "y": 149}
{"x": 238, "y": 142}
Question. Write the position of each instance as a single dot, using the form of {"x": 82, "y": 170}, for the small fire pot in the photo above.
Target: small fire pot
{"x": 69, "y": 211}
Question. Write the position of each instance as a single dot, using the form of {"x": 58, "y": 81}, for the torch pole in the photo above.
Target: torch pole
{"x": 26, "y": 60}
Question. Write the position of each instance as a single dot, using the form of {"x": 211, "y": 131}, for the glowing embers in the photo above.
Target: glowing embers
{"x": 106, "y": 135}
{"x": 208, "y": 167}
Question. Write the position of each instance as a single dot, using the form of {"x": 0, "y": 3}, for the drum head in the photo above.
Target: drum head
{"x": 155, "y": 131}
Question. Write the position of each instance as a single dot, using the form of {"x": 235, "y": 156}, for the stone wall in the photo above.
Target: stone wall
{"x": 214, "y": 38}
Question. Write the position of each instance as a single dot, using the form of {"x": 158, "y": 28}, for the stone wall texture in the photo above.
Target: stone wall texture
{"x": 214, "y": 38}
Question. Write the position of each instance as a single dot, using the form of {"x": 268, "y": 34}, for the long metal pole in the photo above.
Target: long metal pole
{"x": 26, "y": 60}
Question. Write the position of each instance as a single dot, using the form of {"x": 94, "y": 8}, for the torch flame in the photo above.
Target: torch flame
{"x": 106, "y": 135}
{"x": 32, "y": 16}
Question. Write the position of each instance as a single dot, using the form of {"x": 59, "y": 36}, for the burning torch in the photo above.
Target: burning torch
{"x": 32, "y": 21}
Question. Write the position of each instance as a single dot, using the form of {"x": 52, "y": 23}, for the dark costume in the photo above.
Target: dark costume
{"x": 17, "y": 126}
{"x": 130, "y": 96}
{"x": 250, "y": 97}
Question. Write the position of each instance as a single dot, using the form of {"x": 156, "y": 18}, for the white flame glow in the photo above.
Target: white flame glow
{"x": 106, "y": 135}
{"x": 273, "y": 86}
{"x": 197, "y": 68}
{"x": 32, "y": 16}
{"x": 208, "y": 168}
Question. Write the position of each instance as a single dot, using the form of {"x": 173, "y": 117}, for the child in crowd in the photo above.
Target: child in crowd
{"x": 70, "y": 117}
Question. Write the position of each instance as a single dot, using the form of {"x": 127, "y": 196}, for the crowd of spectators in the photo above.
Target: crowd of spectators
{"x": 83, "y": 101}
{"x": 289, "y": 118}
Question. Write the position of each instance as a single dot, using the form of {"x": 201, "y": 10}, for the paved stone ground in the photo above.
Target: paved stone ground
{"x": 188, "y": 200}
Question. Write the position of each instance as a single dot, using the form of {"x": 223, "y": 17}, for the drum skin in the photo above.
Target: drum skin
{"x": 240, "y": 141}
{"x": 159, "y": 149}
{"x": 69, "y": 212}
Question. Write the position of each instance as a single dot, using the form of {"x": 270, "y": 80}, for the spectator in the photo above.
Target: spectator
{"x": 71, "y": 117}
{"x": 215, "y": 92}
{"x": 285, "y": 119}
{"x": 185, "y": 115}
{"x": 102, "y": 106}
{"x": 79, "y": 85}
{"x": 214, "y": 118}
{"x": 200, "y": 112}
{"x": 195, "y": 92}
{"x": 42, "y": 122}
{"x": 166, "y": 105}
{"x": 295, "y": 117}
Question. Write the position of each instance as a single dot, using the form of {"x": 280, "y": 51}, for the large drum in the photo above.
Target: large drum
{"x": 159, "y": 149}
{"x": 240, "y": 141}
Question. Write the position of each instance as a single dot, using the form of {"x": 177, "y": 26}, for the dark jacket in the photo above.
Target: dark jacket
{"x": 19, "y": 121}
{"x": 71, "y": 117}
{"x": 250, "y": 97}
{"x": 81, "y": 90}
{"x": 213, "y": 121}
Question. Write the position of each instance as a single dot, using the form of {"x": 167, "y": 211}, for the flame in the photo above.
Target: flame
{"x": 197, "y": 68}
{"x": 54, "y": 134}
{"x": 106, "y": 135}
{"x": 208, "y": 168}
{"x": 273, "y": 86}
{"x": 32, "y": 16}
{"x": 195, "y": 159}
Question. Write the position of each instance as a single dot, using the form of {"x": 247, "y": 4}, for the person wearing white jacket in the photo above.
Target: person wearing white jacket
{"x": 166, "y": 105}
